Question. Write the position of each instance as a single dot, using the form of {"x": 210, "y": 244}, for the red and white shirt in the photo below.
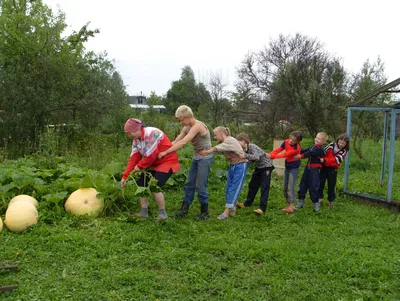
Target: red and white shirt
{"x": 146, "y": 149}
{"x": 332, "y": 157}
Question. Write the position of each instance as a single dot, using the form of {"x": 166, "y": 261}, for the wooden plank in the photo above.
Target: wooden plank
{"x": 8, "y": 288}
{"x": 11, "y": 267}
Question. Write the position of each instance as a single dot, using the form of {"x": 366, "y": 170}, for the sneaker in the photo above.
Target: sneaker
{"x": 222, "y": 216}
{"x": 288, "y": 210}
{"x": 239, "y": 205}
{"x": 258, "y": 212}
{"x": 317, "y": 206}
{"x": 300, "y": 204}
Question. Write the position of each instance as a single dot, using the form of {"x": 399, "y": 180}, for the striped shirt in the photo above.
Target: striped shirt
{"x": 334, "y": 158}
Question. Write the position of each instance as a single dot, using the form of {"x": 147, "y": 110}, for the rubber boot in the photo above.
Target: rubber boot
{"x": 183, "y": 211}
{"x": 203, "y": 213}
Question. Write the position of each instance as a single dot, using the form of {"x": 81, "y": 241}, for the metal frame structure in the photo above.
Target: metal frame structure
{"x": 390, "y": 114}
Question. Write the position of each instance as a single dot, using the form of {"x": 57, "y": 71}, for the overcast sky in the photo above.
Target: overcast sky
{"x": 152, "y": 40}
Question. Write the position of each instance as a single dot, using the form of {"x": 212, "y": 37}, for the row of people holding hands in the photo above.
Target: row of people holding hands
{"x": 154, "y": 152}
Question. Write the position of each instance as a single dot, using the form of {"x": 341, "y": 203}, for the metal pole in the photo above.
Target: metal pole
{"x": 347, "y": 167}
{"x": 391, "y": 154}
{"x": 384, "y": 147}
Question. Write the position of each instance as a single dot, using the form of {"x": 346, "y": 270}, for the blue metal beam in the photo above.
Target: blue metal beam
{"x": 347, "y": 167}
{"x": 384, "y": 147}
{"x": 391, "y": 154}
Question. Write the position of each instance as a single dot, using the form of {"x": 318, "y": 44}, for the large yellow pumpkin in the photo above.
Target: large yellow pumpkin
{"x": 20, "y": 215}
{"x": 24, "y": 197}
{"x": 84, "y": 201}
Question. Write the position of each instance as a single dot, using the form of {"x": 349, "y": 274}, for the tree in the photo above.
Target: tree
{"x": 311, "y": 93}
{"x": 154, "y": 99}
{"x": 218, "y": 106}
{"x": 186, "y": 91}
{"x": 294, "y": 80}
{"x": 367, "y": 124}
{"x": 46, "y": 78}
{"x": 31, "y": 56}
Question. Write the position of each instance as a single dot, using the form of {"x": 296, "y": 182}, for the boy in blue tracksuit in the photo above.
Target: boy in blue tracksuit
{"x": 310, "y": 179}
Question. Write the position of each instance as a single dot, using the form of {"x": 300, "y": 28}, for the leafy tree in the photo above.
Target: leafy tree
{"x": 186, "y": 91}
{"x": 46, "y": 78}
{"x": 154, "y": 99}
{"x": 294, "y": 80}
{"x": 367, "y": 124}
{"x": 31, "y": 59}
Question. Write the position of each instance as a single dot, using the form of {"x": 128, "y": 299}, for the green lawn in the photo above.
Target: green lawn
{"x": 364, "y": 175}
{"x": 348, "y": 252}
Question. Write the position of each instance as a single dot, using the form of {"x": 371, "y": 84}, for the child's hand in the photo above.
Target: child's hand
{"x": 204, "y": 153}
{"x": 160, "y": 155}
{"x": 322, "y": 160}
{"x": 268, "y": 156}
{"x": 241, "y": 155}
{"x": 297, "y": 157}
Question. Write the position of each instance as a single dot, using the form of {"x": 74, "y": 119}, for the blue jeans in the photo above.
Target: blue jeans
{"x": 234, "y": 183}
{"x": 197, "y": 180}
{"x": 289, "y": 183}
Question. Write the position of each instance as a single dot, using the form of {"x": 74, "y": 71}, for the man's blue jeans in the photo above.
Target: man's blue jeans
{"x": 197, "y": 180}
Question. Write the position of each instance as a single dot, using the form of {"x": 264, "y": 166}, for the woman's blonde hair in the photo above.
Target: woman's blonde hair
{"x": 183, "y": 111}
{"x": 223, "y": 129}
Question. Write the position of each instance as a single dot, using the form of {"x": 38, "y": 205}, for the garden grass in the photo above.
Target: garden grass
{"x": 347, "y": 252}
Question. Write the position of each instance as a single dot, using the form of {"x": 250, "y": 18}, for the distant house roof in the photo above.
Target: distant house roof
{"x": 141, "y": 106}
{"x": 138, "y": 99}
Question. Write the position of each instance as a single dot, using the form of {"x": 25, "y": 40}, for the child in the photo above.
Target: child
{"x": 335, "y": 153}
{"x": 310, "y": 179}
{"x": 288, "y": 149}
{"x": 232, "y": 150}
{"x": 261, "y": 176}
{"x": 197, "y": 133}
{"x": 147, "y": 143}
